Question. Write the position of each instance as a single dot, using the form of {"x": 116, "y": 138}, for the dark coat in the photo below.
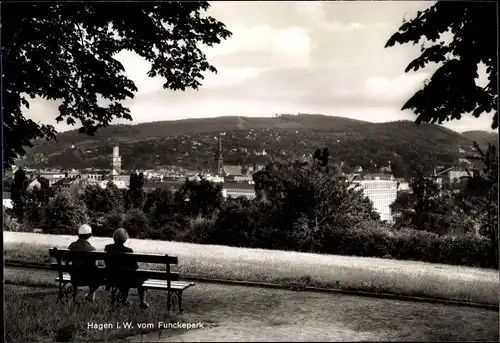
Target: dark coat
{"x": 120, "y": 263}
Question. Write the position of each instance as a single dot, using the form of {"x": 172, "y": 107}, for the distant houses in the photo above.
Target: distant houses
{"x": 7, "y": 201}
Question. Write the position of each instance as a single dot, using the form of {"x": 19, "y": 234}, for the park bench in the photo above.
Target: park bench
{"x": 154, "y": 279}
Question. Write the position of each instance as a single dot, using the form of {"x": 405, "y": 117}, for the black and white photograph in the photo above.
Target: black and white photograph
{"x": 250, "y": 171}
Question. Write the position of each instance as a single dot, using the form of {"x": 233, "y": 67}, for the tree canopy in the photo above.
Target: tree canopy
{"x": 66, "y": 51}
{"x": 452, "y": 90}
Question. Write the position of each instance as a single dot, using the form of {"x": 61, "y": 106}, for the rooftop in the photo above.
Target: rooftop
{"x": 64, "y": 182}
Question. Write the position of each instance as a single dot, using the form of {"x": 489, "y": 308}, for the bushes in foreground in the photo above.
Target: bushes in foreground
{"x": 369, "y": 240}
{"x": 237, "y": 226}
{"x": 413, "y": 245}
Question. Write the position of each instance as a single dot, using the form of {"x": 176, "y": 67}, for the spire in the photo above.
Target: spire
{"x": 219, "y": 164}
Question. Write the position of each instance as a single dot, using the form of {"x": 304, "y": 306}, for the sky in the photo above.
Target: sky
{"x": 291, "y": 57}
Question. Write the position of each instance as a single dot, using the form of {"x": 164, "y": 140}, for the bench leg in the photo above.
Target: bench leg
{"x": 61, "y": 288}
{"x": 75, "y": 290}
{"x": 169, "y": 302}
{"x": 179, "y": 295}
{"x": 174, "y": 298}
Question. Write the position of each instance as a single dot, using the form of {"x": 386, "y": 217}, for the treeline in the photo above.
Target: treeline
{"x": 301, "y": 205}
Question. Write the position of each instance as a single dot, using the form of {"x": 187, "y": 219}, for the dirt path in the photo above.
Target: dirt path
{"x": 255, "y": 314}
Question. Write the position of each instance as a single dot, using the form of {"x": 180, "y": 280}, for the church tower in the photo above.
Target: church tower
{"x": 219, "y": 164}
{"x": 117, "y": 161}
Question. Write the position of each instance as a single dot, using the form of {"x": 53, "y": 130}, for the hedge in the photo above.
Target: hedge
{"x": 370, "y": 240}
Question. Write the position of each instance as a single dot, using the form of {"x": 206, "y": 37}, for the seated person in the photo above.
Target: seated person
{"x": 120, "y": 236}
{"x": 88, "y": 274}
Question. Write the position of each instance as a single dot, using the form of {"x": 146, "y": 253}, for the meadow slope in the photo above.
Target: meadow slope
{"x": 284, "y": 267}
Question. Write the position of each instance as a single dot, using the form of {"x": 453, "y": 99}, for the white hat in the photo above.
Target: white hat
{"x": 84, "y": 230}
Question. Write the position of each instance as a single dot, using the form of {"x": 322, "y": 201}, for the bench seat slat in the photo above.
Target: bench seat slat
{"x": 133, "y": 273}
{"x": 159, "y": 284}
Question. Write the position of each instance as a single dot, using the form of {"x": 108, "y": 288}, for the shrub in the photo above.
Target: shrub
{"x": 416, "y": 245}
{"x": 105, "y": 224}
{"x": 233, "y": 226}
{"x": 305, "y": 236}
{"x": 172, "y": 230}
{"x": 63, "y": 215}
{"x": 197, "y": 231}
{"x": 137, "y": 224}
{"x": 10, "y": 223}
{"x": 467, "y": 250}
{"x": 407, "y": 244}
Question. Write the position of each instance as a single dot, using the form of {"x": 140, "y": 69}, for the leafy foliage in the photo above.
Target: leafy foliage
{"x": 18, "y": 193}
{"x": 234, "y": 226}
{"x": 160, "y": 207}
{"x": 199, "y": 197}
{"x": 10, "y": 223}
{"x": 479, "y": 197}
{"x": 34, "y": 209}
{"x": 63, "y": 215}
{"x": 67, "y": 51}
{"x": 137, "y": 224}
{"x": 429, "y": 207}
{"x": 135, "y": 196}
{"x": 301, "y": 189}
{"x": 102, "y": 200}
{"x": 452, "y": 90}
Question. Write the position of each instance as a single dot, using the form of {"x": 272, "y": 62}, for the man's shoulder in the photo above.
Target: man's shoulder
{"x": 73, "y": 245}
{"x": 81, "y": 246}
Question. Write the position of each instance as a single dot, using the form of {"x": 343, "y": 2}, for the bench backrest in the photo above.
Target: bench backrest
{"x": 90, "y": 257}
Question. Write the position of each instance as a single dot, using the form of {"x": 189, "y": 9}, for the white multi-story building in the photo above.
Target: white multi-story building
{"x": 236, "y": 191}
{"x": 382, "y": 193}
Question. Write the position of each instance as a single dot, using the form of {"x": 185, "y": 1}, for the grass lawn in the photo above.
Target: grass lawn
{"x": 283, "y": 267}
{"x": 43, "y": 318}
{"x": 237, "y": 313}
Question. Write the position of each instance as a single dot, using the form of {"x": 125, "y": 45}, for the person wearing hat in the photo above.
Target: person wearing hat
{"x": 89, "y": 274}
{"x": 120, "y": 236}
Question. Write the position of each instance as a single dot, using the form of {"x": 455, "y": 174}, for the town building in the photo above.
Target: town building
{"x": 402, "y": 184}
{"x": 72, "y": 186}
{"x": 378, "y": 176}
{"x": 236, "y": 190}
{"x": 454, "y": 175}
{"x": 7, "y": 201}
{"x": 120, "y": 184}
{"x": 95, "y": 176}
{"x": 117, "y": 161}
{"x": 52, "y": 176}
{"x": 382, "y": 193}
{"x": 34, "y": 183}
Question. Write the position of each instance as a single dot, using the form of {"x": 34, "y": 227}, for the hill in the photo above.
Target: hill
{"x": 192, "y": 143}
{"x": 482, "y": 137}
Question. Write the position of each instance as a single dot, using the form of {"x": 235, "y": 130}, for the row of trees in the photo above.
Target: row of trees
{"x": 470, "y": 207}
{"x": 300, "y": 205}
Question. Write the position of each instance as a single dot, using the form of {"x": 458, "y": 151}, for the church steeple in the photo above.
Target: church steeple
{"x": 219, "y": 165}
